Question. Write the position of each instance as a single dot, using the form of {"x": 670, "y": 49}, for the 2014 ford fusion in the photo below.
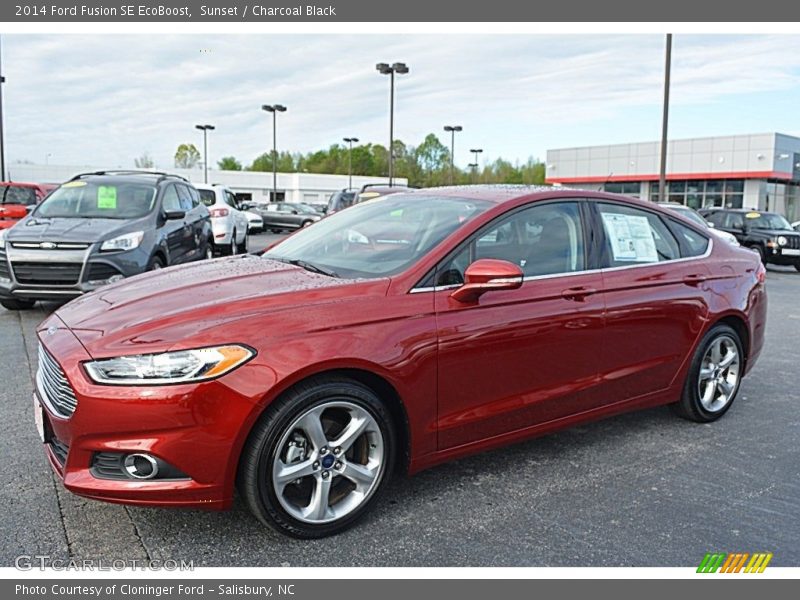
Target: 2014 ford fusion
{"x": 394, "y": 335}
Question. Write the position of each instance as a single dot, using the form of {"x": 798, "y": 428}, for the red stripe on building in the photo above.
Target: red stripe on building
{"x": 674, "y": 176}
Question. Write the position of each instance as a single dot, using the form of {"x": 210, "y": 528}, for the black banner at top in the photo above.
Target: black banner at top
{"x": 134, "y": 11}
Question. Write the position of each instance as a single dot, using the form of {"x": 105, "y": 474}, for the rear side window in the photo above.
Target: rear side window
{"x": 694, "y": 243}
{"x": 634, "y": 236}
{"x": 208, "y": 197}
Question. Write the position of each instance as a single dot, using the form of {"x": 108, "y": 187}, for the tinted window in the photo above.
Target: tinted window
{"x": 230, "y": 199}
{"x": 733, "y": 221}
{"x": 195, "y": 196}
{"x": 106, "y": 199}
{"x": 544, "y": 239}
{"x": 694, "y": 243}
{"x": 13, "y": 194}
{"x": 185, "y": 197}
{"x": 171, "y": 199}
{"x": 207, "y": 197}
{"x": 635, "y": 236}
{"x": 717, "y": 218}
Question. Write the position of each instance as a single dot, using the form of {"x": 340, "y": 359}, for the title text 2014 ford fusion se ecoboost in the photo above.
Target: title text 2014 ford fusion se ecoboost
{"x": 391, "y": 336}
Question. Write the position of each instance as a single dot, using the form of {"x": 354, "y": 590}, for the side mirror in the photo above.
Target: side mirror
{"x": 486, "y": 275}
{"x": 710, "y": 225}
{"x": 174, "y": 214}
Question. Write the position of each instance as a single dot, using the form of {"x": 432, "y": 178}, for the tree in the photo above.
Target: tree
{"x": 145, "y": 161}
{"x": 187, "y": 156}
{"x": 229, "y": 163}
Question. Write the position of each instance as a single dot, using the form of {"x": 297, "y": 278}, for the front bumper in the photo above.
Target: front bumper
{"x": 783, "y": 256}
{"x": 57, "y": 274}
{"x": 196, "y": 428}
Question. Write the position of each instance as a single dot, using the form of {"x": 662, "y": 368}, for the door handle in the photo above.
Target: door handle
{"x": 694, "y": 279}
{"x": 578, "y": 294}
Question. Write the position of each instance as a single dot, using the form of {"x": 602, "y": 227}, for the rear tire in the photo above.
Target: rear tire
{"x": 16, "y": 304}
{"x": 714, "y": 376}
{"x": 797, "y": 266}
{"x": 233, "y": 247}
{"x": 324, "y": 489}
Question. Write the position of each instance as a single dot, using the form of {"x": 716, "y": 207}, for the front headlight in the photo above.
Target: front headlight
{"x": 182, "y": 366}
{"x": 782, "y": 241}
{"x": 129, "y": 241}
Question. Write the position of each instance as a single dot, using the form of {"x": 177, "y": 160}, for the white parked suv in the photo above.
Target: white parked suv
{"x": 228, "y": 220}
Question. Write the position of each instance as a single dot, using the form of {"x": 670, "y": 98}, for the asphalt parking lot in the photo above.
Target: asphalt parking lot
{"x": 644, "y": 489}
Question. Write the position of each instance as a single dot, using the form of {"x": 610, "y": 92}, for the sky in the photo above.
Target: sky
{"x": 78, "y": 99}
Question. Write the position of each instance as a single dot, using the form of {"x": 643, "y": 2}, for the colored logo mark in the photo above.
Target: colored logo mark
{"x": 734, "y": 562}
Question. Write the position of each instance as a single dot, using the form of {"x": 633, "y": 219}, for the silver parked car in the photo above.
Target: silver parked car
{"x": 278, "y": 216}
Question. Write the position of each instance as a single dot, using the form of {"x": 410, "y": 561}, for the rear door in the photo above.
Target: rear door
{"x": 196, "y": 217}
{"x": 655, "y": 297}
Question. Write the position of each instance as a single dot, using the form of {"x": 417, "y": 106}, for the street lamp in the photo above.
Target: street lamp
{"x": 452, "y": 129}
{"x": 350, "y": 141}
{"x": 274, "y": 109}
{"x": 662, "y": 171}
{"x": 474, "y": 165}
{"x": 386, "y": 69}
{"x": 205, "y": 129}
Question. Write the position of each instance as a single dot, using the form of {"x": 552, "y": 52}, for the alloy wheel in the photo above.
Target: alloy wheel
{"x": 328, "y": 462}
{"x": 719, "y": 374}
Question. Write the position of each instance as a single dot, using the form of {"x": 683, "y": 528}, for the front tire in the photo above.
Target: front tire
{"x": 317, "y": 460}
{"x": 17, "y": 304}
{"x": 714, "y": 376}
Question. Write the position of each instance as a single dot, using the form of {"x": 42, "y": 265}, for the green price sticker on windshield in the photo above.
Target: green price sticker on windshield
{"x": 107, "y": 197}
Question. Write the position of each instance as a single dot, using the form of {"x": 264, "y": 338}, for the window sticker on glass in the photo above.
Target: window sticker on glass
{"x": 631, "y": 238}
{"x": 753, "y": 215}
{"x": 107, "y": 197}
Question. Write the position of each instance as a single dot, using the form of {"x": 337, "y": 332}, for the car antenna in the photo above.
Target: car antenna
{"x": 608, "y": 180}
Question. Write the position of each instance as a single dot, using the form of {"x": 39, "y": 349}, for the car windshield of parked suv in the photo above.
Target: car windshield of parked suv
{"x": 766, "y": 221}
{"x": 17, "y": 194}
{"x": 688, "y": 213}
{"x": 379, "y": 238}
{"x": 98, "y": 200}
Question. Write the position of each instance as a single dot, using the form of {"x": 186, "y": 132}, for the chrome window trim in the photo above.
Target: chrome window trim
{"x": 706, "y": 254}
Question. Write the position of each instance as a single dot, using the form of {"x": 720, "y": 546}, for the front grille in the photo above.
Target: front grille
{"x": 47, "y": 273}
{"x": 51, "y": 245}
{"x": 100, "y": 271}
{"x": 54, "y": 386}
{"x": 60, "y": 449}
{"x": 4, "y": 272}
{"x": 793, "y": 242}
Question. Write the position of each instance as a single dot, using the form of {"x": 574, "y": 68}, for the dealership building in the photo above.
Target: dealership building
{"x": 247, "y": 185}
{"x": 759, "y": 171}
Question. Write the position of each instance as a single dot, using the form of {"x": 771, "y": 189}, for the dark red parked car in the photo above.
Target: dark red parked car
{"x": 395, "y": 335}
{"x": 16, "y": 198}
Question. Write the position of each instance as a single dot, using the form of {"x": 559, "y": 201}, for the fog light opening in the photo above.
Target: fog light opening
{"x": 141, "y": 466}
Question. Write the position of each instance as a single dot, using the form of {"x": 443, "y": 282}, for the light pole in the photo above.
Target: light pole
{"x": 452, "y": 129}
{"x": 205, "y": 129}
{"x": 662, "y": 173}
{"x": 350, "y": 141}
{"x": 274, "y": 109}
{"x": 386, "y": 69}
{"x": 2, "y": 132}
{"x": 474, "y": 165}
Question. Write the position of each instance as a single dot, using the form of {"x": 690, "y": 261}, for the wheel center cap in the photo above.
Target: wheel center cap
{"x": 327, "y": 461}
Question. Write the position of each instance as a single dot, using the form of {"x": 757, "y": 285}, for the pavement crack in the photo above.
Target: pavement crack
{"x": 138, "y": 534}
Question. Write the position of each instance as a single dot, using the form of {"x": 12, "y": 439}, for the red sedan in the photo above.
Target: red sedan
{"x": 17, "y": 198}
{"x": 394, "y": 335}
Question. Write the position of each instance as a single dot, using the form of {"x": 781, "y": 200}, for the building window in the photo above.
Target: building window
{"x": 702, "y": 193}
{"x": 627, "y": 188}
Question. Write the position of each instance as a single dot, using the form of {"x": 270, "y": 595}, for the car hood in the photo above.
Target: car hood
{"x": 157, "y": 311}
{"x": 776, "y": 232}
{"x": 34, "y": 229}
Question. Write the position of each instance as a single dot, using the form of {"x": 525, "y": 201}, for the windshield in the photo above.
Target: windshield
{"x": 17, "y": 194}
{"x": 83, "y": 199}
{"x": 767, "y": 221}
{"x": 689, "y": 214}
{"x": 379, "y": 238}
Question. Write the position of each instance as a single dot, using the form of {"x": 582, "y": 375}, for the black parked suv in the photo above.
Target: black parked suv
{"x": 99, "y": 228}
{"x": 769, "y": 234}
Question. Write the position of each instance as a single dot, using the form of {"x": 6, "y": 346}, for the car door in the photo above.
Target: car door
{"x": 236, "y": 211}
{"x": 196, "y": 216}
{"x": 175, "y": 230}
{"x": 517, "y": 358}
{"x": 655, "y": 302}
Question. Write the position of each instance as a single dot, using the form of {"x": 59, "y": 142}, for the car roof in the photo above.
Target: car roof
{"x": 130, "y": 175}
{"x": 739, "y": 210}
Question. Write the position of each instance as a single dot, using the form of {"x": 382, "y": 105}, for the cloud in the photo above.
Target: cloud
{"x": 97, "y": 99}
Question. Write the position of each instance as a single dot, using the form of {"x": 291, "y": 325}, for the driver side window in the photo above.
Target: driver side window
{"x": 543, "y": 239}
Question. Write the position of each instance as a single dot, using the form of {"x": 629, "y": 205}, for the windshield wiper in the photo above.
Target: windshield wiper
{"x": 303, "y": 264}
